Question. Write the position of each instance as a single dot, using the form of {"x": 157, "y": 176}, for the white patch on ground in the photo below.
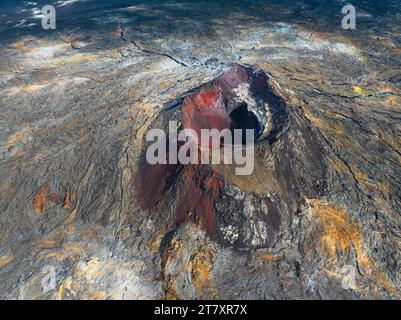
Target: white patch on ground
{"x": 243, "y": 93}
{"x": 311, "y": 283}
{"x": 259, "y": 233}
{"x": 48, "y": 52}
{"x": 136, "y": 8}
{"x": 230, "y": 233}
{"x": 48, "y": 87}
{"x": 21, "y": 23}
{"x": 37, "y": 13}
{"x": 66, "y": 2}
{"x": 319, "y": 46}
{"x": 283, "y": 28}
{"x": 282, "y": 40}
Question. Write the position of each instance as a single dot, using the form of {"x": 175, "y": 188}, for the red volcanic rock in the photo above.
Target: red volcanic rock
{"x": 54, "y": 197}
{"x": 67, "y": 202}
{"x": 152, "y": 181}
{"x": 206, "y": 110}
{"x": 203, "y": 189}
{"x": 40, "y": 199}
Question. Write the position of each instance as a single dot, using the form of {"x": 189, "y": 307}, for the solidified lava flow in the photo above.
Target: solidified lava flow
{"x": 241, "y": 98}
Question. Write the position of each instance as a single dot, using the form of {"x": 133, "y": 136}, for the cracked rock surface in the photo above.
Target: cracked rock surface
{"x": 324, "y": 197}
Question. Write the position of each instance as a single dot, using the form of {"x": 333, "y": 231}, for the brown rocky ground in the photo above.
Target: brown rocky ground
{"x": 75, "y": 105}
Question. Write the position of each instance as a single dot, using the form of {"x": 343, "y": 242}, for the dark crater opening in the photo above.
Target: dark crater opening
{"x": 242, "y": 118}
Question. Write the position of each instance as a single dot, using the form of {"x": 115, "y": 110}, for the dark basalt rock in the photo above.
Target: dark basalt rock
{"x": 76, "y": 194}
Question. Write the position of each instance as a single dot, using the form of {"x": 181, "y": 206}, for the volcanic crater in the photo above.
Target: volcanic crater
{"x": 242, "y": 212}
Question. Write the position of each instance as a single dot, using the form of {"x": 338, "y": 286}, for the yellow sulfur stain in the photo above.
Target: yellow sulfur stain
{"x": 331, "y": 127}
{"x": 339, "y": 234}
{"x": 200, "y": 265}
{"x": 359, "y": 90}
